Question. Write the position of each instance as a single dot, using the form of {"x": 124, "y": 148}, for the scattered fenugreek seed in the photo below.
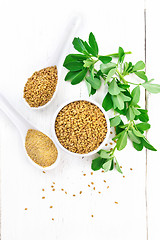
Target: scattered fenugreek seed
{"x": 116, "y": 202}
{"x": 102, "y": 171}
{"x": 92, "y": 215}
{"x": 92, "y": 183}
{"x": 62, "y": 189}
{"x": 84, "y": 174}
{"x": 131, "y": 169}
{"x": 53, "y": 189}
{"x": 120, "y": 166}
{"x": 94, "y": 188}
{"x": 107, "y": 186}
{"x": 51, "y": 206}
{"x": 104, "y": 180}
{"x": 43, "y": 197}
{"x": 42, "y": 189}
{"x": 74, "y": 195}
{"x": 44, "y": 172}
{"x": 111, "y": 132}
{"x": 26, "y": 209}
{"x": 65, "y": 192}
{"x": 123, "y": 176}
{"x": 80, "y": 192}
{"x": 99, "y": 192}
{"x": 88, "y": 185}
{"x": 91, "y": 173}
{"x": 53, "y": 219}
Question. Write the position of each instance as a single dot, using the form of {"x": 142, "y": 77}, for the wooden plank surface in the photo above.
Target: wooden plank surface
{"x": 32, "y": 30}
{"x": 153, "y": 179}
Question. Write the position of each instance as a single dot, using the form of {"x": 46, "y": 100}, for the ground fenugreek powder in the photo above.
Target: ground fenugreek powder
{"x": 40, "y": 148}
{"x": 41, "y": 86}
{"x": 81, "y": 127}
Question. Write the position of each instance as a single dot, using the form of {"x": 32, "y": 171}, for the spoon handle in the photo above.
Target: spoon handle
{"x": 14, "y": 116}
{"x": 65, "y": 42}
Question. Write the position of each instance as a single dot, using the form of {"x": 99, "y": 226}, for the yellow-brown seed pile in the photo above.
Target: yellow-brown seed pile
{"x": 81, "y": 127}
{"x": 41, "y": 86}
{"x": 40, "y": 148}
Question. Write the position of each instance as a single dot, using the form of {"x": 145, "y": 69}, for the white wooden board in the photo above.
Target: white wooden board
{"x": 32, "y": 30}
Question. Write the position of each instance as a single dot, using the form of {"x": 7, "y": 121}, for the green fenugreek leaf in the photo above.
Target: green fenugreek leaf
{"x": 115, "y": 121}
{"x": 105, "y": 59}
{"x": 113, "y": 88}
{"x": 97, "y": 163}
{"x": 79, "y": 77}
{"x": 122, "y": 141}
{"x": 93, "y": 43}
{"x": 118, "y": 167}
{"x": 138, "y": 66}
{"x": 107, "y": 103}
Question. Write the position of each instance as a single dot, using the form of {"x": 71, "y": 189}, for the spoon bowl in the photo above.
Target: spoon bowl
{"x": 23, "y": 126}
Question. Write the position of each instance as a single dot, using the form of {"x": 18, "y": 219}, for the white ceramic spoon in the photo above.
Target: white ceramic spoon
{"x": 22, "y": 125}
{"x": 59, "y": 56}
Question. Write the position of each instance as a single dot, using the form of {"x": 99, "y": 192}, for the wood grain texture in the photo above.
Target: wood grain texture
{"x": 32, "y": 31}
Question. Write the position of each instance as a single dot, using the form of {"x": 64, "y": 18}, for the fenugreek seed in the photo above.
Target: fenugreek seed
{"x": 41, "y": 86}
{"x": 43, "y": 197}
{"x": 104, "y": 180}
{"x": 102, "y": 171}
{"x": 74, "y": 195}
{"x": 92, "y": 215}
{"x": 116, "y": 202}
{"x": 91, "y": 173}
{"x": 65, "y": 192}
{"x": 84, "y": 174}
{"x": 99, "y": 192}
{"x": 42, "y": 189}
{"x": 51, "y": 206}
{"x": 94, "y": 188}
{"x": 26, "y": 209}
{"x": 53, "y": 189}
{"x": 120, "y": 166}
{"x": 53, "y": 182}
{"x": 111, "y": 132}
{"x": 107, "y": 186}
{"x": 80, "y": 192}
{"x": 62, "y": 189}
{"x": 88, "y": 185}
{"x": 52, "y": 186}
{"x": 53, "y": 219}
{"x": 123, "y": 176}
{"x": 44, "y": 172}
{"x": 92, "y": 183}
{"x": 131, "y": 169}
{"x": 89, "y": 127}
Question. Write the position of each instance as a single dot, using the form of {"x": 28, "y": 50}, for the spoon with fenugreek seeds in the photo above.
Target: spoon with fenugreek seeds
{"x": 41, "y": 151}
{"x": 40, "y": 89}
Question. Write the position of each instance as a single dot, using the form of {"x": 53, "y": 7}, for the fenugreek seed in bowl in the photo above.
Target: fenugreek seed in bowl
{"x": 40, "y": 87}
{"x": 81, "y": 127}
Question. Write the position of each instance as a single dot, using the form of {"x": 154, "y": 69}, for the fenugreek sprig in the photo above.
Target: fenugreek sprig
{"x": 119, "y": 97}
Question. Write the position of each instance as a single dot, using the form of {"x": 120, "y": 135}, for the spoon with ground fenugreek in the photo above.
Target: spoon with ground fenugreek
{"x": 40, "y": 149}
{"x": 42, "y": 86}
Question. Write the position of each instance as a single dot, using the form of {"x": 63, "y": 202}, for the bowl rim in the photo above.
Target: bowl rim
{"x": 74, "y": 100}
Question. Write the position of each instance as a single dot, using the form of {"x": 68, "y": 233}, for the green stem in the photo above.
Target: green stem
{"x": 134, "y": 83}
{"x": 116, "y": 54}
{"x": 121, "y": 76}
